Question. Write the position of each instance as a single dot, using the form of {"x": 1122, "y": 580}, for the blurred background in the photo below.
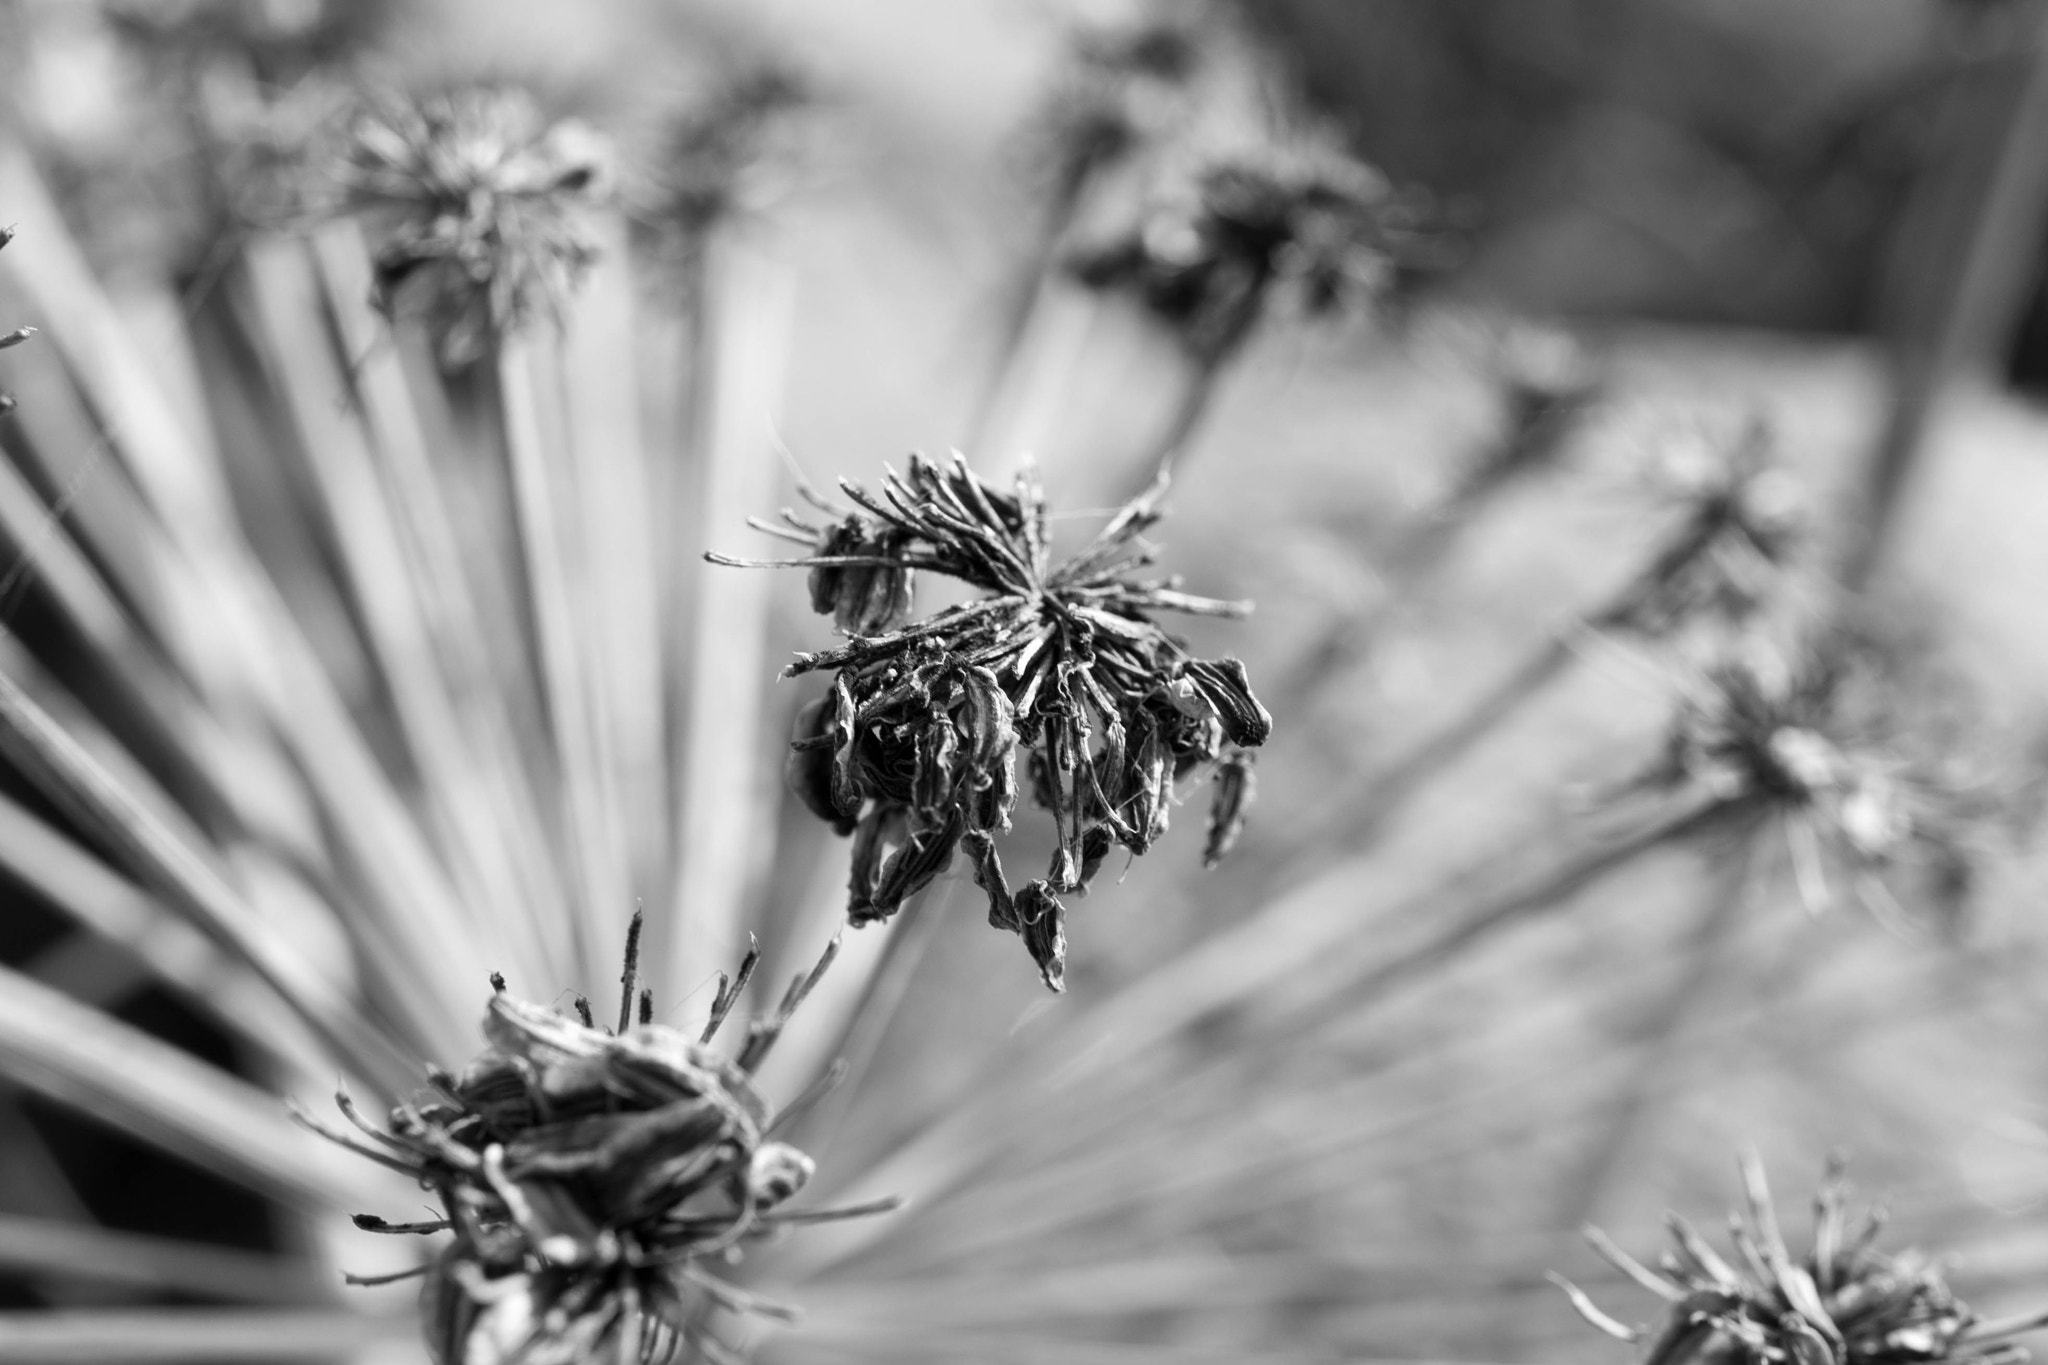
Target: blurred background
{"x": 1634, "y": 227}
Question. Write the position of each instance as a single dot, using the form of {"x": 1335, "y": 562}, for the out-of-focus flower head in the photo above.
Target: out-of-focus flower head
{"x": 166, "y": 129}
{"x": 1298, "y": 224}
{"x": 727, "y": 151}
{"x": 1843, "y": 1303}
{"x": 283, "y": 37}
{"x": 590, "y": 1176}
{"x": 1742, "y": 518}
{"x": 914, "y": 752}
{"x": 482, "y": 196}
{"x": 1545, "y": 379}
{"x": 1121, "y": 89}
{"x": 1822, "y": 741}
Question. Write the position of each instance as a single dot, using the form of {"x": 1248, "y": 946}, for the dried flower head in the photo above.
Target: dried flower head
{"x": 588, "y": 1176}
{"x": 1819, "y": 740}
{"x": 1301, "y": 224}
{"x": 914, "y": 752}
{"x": 1843, "y": 1303}
{"x": 1742, "y": 520}
{"x": 484, "y": 194}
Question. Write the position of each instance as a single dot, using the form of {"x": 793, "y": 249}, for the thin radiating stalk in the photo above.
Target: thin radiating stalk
{"x": 116, "y": 912}
{"x": 85, "y": 1060}
{"x": 1205, "y": 1175}
{"x": 725, "y": 802}
{"x": 459, "y": 793}
{"x": 1365, "y": 805}
{"x": 262, "y": 659}
{"x": 882, "y": 990}
{"x": 91, "y": 796}
{"x": 1706, "y": 954}
{"x": 147, "y": 1336}
{"x": 1024, "y": 412}
{"x": 553, "y": 583}
{"x": 456, "y": 608}
{"x": 1168, "y": 451}
{"x": 1979, "y": 241}
{"x": 610, "y": 453}
{"x": 1294, "y": 958}
{"x": 45, "y": 1249}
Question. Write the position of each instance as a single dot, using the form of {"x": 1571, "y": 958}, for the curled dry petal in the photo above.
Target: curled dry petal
{"x": 1042, "y": 920}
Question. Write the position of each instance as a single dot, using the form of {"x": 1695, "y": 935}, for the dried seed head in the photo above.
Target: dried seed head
{"x": 589, "y": 1178}
{"x": 1843, "y": 1303}
{"x": 916, "y": 751}
{"x": 1302, "y": 225}
{"x": 484, "y": 196}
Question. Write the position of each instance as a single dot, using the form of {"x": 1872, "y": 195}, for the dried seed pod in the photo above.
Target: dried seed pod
{"x": 589, "y": 1178}
{"x": 482, "y": 196}
{"x": 1843, "y": 1303}
{"x": 1061, "y": 660}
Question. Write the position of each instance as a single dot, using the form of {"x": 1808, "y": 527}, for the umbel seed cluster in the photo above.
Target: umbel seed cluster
{"x": 914, "y": 751}
{"x": 589, "y": 1175}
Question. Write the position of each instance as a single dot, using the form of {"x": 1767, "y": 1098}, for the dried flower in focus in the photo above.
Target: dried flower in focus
{"x": 914, "y": 753}
{"x": 1843, "y": 1303}
{"x": 586, "y": 1174}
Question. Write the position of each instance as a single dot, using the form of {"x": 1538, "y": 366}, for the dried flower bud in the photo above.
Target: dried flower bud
{"x": 589, "y": 1177}
{"x": 1302, "y": 221}
{"x": 1059, "y": 660}
{"x": 1843, "y": 1303}
{"x": 483, "y": 195}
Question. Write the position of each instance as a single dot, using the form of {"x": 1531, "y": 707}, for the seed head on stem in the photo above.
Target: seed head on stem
{"x": 1820, "y": 737}
{"x": 914, "y": 752}
{"x": 1844, "y": 1303}
{"x": 483, "y": 195}
{"x": 590, "y": 1177}
{"x": 1299, "y": 225}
